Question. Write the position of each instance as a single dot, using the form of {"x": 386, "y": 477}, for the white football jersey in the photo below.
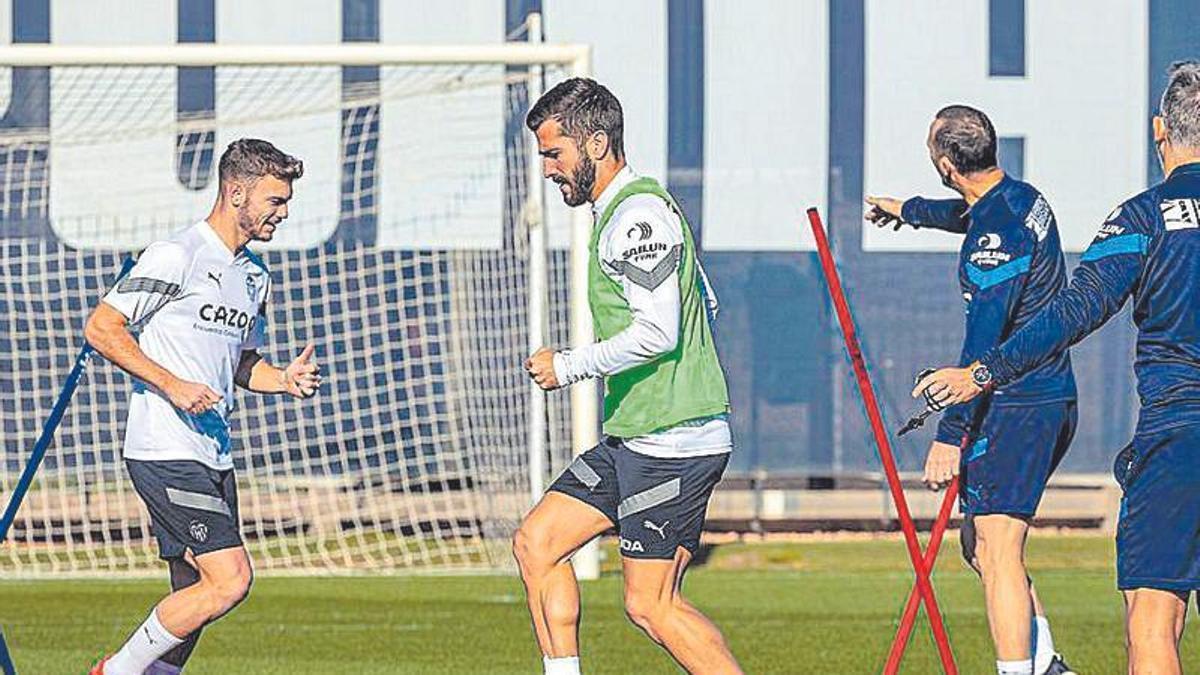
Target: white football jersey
{"x": 194, "y": 306}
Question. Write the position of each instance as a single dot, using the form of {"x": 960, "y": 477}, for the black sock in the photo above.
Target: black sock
{"x": 182, "y": 576}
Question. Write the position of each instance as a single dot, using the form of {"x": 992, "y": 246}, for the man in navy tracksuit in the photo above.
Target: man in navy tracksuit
{"x": 1010, "y": 266}
{"x": 1147, "y": 248}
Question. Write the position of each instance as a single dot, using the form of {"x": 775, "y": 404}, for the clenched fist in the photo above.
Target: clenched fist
{"x": 540, "y": 367}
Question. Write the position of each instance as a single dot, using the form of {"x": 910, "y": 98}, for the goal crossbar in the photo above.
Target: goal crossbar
{"x": 515, "y": 53}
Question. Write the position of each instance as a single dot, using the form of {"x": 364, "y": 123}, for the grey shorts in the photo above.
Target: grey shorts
{"x": 191, "y": 505}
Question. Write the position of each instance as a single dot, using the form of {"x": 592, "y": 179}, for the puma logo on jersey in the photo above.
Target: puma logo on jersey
{"x": 660, "y": 529}
{"x": 216, "y": 278}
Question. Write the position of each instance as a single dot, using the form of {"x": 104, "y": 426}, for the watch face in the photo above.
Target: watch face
{"x": 982, "y": 376}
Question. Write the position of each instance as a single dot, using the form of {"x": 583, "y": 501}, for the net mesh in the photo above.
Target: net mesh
{"x": 404, "y": 260}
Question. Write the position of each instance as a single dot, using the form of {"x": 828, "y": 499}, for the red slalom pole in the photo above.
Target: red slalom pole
{"x": 829, "y": 268}
{"x": 900, "y": 642}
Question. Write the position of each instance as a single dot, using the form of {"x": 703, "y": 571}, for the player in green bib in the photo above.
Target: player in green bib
{"x": 666, "y": 407}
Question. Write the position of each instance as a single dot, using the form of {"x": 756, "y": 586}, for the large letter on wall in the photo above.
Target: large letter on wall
{"x": 1080, "y": 107}
{"x": 297, "y": 109}
{"x": 112, "y": 145}
{"x": 441, "y": 131}
{"x": 766, "y": 122}
{"x": 113, "y": 138}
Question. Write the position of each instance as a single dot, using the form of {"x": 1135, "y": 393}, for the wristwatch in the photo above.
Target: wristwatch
{"x": 981, "y": 376}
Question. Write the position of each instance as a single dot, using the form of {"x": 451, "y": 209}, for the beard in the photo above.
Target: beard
{"x": 251, "y": 226}
{"x": 581, "y": 183}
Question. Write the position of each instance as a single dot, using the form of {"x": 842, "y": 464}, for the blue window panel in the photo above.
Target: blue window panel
{"x": 1011, "y": 151}
{"x": 685, "y": 108}
{"x": 195, "y": 98}
{"x": 360, "y": 129}
{"x": 24, "y": 205}
{"x": 1172, "y": 38}
{"x": 197, "y": 21}
{"x": 1006, "y": 38}
{"x": 31, "y": 21}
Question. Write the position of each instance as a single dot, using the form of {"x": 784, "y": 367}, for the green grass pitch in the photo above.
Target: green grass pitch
{"x": 807, "y": 607}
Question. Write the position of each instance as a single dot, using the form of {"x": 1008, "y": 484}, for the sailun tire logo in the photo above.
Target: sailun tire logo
{"x": 642, "y": 230}
{"x": 645, "y": 251}
{"x": 989, "y": 241}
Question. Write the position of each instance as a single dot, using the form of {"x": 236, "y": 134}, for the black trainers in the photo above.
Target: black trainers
{"x": 1058, "y": 667}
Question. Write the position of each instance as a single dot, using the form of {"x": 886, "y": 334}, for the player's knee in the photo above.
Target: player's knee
{"x": 993, "y": 554}
{"x": 996, "y": 548}
{"x": 229, "y": 591}
{"x": 528, "y": 546}
{"x": 646, "y": 612}
{"x": 1152, "y": 624}
{"x": 1150, "y": 632}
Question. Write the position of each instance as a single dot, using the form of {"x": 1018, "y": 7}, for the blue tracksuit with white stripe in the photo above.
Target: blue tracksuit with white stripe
{"x": 1010, "y": 266}
{"x": 1148, "y": 248}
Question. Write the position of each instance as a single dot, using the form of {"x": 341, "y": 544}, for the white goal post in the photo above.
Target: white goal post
{"x": 417, "y": 257}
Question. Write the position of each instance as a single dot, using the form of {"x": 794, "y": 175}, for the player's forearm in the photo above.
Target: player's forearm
{"x": 265, "y": 378}
{"x": 1052, "y": 331}
{"x": 114, "y": 343}
{"x": 652, "y": 332}
{"x": 1095, "y": 294}
{"x": 939, "y": 214}
{"x": 640, "y": 343}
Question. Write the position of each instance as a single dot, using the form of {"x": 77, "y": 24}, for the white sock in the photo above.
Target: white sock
{"x": 563, "y": 665}
{"x": 1023, "y": 667}
{"x": 1044, "y": 653}
{"x": 147, "y": 643}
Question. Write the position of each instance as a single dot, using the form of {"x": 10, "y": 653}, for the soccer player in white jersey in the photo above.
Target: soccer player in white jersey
{"x": 666, "y": 408}
{"x": 197, "y": 304}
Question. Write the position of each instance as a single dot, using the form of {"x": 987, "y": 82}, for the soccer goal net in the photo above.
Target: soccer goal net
{"x": 420, "y": 257}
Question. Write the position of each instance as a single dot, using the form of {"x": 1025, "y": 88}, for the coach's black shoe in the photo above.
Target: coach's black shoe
{"x": 1058, "y": 667}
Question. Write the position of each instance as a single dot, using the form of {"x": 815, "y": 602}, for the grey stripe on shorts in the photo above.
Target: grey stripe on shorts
{"x": 648, "y": 499}
{"x": 586, "y": 474}
{"x": 196, "y": 500}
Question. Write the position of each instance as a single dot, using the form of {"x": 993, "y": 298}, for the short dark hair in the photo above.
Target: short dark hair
{"x": 1180, "y": 105}
{"x": 251, "y": 158}
{"x": 582, "y": 106}
{"x": 966, "y": 137}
